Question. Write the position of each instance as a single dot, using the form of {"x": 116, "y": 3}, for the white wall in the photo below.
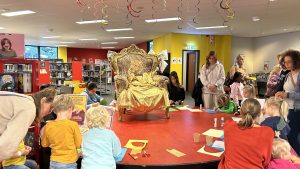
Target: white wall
{"x": 259, "y": 50}
{"x": 268, "y": 47}
{"x": 243, "y": 46}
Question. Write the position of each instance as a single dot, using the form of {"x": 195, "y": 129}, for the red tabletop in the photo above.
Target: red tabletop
{"x": 174, "y": 133}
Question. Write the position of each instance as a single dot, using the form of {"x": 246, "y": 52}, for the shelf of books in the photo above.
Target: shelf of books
{"x": 18, "y": 75}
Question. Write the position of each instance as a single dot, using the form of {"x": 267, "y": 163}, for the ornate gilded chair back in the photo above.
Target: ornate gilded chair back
{"x": 132, "y": 60}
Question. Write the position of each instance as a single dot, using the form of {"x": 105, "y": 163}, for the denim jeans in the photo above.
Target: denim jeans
{"x": 294, "y": 135}
{"x": 57, "y": 165}
{"x": 29, "y": 164}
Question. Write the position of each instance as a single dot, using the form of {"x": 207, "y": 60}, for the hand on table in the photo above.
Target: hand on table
{"x": 95, "y": 104}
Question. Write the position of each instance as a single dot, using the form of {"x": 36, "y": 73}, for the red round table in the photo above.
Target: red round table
{"x": 174, "y": 133}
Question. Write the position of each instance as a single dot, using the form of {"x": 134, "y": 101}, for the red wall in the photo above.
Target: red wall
{"x": 81, "y": 53}
{"x": 143, "y": 46}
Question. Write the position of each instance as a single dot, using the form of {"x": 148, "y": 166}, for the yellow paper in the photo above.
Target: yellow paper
{"x": 129, "y": 144}
{"x": 135, "y": 151}
{"x": 175, "y": 152}
{"x": 214, "y": 133}
{"x": 202, "y": 150}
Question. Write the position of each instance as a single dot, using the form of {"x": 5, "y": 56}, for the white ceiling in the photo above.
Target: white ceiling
{"x": 58, "y": 17}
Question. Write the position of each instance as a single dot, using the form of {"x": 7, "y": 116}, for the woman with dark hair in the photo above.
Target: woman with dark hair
{"x": 212, "y": 77}
{"x": 7, "y": 51}
{"x": 17, "y": 113}
{"x": 93, "y": 99}
{"x": 176, "y": 92}
{"x": 291, "y": 94}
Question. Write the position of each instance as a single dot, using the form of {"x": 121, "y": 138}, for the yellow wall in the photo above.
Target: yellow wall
{"x": 62, "y": 53}
{"x": 175, "y": 43}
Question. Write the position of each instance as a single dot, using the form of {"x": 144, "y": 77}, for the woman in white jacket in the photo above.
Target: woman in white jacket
{"x": 213, "y": 77}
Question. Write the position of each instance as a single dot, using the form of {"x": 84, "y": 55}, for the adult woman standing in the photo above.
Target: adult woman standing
{"x": 212, "y": 77}
{"x": 17, "y": 113}
{"x": 291, "y": 94}
{"x": 238, "y": 67}
{"x": 247, "y": 145}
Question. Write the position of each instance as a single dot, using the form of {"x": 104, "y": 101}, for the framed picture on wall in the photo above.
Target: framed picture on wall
{"x": 266, "y": 65}
{"x": 12, "y": 46}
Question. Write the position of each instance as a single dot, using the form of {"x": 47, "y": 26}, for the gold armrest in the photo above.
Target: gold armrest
{"x": 121, "y": 83}
{"x": 161, "y": 81}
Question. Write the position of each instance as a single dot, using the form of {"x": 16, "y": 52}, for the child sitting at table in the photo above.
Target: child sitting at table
{"x": 277, "y": 109}
{"x": 62, "y": 135}
{"x": 19, "y": 161}
{"x": 100, "y": 145}
{"x": 225, "y": 104}
{"x": 281, "y": 156}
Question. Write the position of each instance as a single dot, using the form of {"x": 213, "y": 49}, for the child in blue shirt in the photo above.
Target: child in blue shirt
{"x": 93, "y": 99}
{"x": 100, "y": 146}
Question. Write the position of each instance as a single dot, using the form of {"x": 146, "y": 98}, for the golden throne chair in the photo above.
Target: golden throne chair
{"x": 137, "y": 86}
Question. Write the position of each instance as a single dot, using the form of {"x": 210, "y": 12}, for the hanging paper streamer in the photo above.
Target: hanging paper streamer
{"x": 131, "y": 11}
{"x": 80, "y": 3}
{"x": 226, "y": 5}
{"x": 198, "y": 12}
{"x": 164, "y": 5}
{"x": 153, "y": 9}
{"x": 179, "y": 10}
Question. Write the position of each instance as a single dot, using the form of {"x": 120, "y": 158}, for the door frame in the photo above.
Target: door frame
{"x": 184, "y": 65}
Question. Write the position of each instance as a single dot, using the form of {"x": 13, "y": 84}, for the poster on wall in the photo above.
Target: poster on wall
{"x": 174, "y": 60}
{"x": 180, "y": 61}
{"x": 97, "y": 61}
{"x": 78, "y": 114}
{"x": 12, "y": 46}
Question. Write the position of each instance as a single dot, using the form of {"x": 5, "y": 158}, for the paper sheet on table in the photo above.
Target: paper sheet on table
{"x": 214, "y": 133}
{"x": 219, "y": 145}
{"x": 131, "y": 146}
{"x": 183, "y": 107}
{"x": 175, "y": 152}
{"x": 135, "y": 151}
{"x": 121, "y": 156}
{"x": 236, "y": 119}
{"x": 195, "y": 110}
{"x": 201, "y": 150}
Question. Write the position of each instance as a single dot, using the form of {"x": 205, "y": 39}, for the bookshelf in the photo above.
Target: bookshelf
{"x": 59, "y": 72}
{"x": 99, "y": 73}
{"x": 18, "y": 75}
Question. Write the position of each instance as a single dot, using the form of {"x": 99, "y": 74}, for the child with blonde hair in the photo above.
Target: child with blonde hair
{"x": 62, "y": 135}
{"x": 281, "y": 156}
{"x": 100, "y": 146}
{"x": 225, "y": 104}
{"x": 277, "y": 110}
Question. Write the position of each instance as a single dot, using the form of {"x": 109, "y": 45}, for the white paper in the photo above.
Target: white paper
{"x": 218, "y": 145}
{"x": 201, "y": 150}
{"x": 214, "y": 133}
{"x": 179, "y": 60}
{"x": 174, "y": 60}
{"x": 163, "y": 65}
{"x": 236, "y": 119}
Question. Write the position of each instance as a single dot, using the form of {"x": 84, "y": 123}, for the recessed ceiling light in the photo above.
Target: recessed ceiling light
{"x": 50, "y": 37}
{"x": 92, "y": 21}
{"x": 255, "y": 18}
{"x": 87, "y": 39}
{"x": 67, "y": 42}
{"x": 1, "y": 28}
{"x": 120, "y": 29}
{"x": 272, "y": 0}
{"x": 123, "y": 37}
{"x": 108, "y": 43}
{"x": 108, "y": 47}
{"x": 162, "y": 20}
{"x": 285, "y": 29}
{"x": 212, "y": 27}
{"x": 17, "y": 13}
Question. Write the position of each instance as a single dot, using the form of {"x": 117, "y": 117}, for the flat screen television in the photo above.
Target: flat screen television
{"x": 47, "y": 53}
{"x": 31, "y": 52}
